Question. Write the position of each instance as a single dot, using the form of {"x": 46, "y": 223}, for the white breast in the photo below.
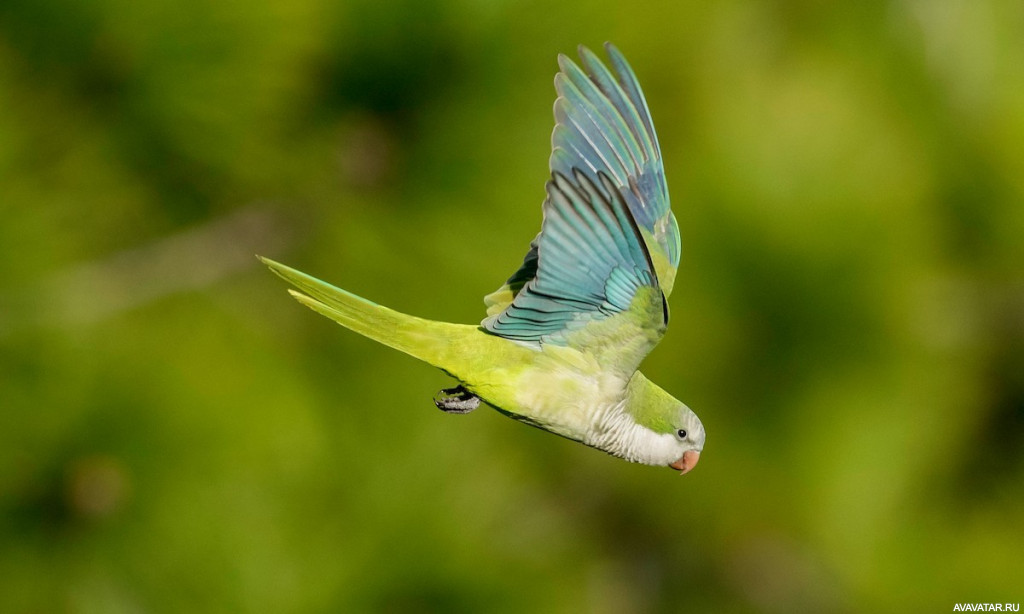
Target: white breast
{"x": 618, "y": 434}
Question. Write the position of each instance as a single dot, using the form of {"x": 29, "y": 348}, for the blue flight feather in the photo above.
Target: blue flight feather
{"x": 602, "y": 125}
{"x": 592, "y": 261}
{"x": 606, "y": 215}
{"x": 599, "y": 113}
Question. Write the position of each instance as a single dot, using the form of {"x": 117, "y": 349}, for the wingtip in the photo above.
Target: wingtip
{"x": 586, "y": 53}
{"x": 308, "y": 301}
{"x": 618, "y": 60}
{"x": 588, "y": 58}
{"x": 559, "y": 83}
{"x": 267, "y": 261}
{"x": 283, "y": 271}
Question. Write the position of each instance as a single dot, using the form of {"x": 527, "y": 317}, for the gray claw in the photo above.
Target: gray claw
{"x": 456, "y": 400}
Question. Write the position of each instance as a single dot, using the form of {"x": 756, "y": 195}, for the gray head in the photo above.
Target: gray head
{"x": 690, "y": 437}
{"x": 672, "y": 435}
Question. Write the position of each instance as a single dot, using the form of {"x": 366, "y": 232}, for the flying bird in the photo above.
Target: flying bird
{"x": 565, "y": 334}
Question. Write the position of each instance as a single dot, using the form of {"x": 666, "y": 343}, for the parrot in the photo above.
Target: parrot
{"x": 563, "y": 337}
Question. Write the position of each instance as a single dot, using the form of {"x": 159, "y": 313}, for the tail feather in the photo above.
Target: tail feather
{"x": 427, "y": 340}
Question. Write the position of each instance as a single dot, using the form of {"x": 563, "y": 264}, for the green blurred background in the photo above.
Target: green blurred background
{"x": 177, "y": 435}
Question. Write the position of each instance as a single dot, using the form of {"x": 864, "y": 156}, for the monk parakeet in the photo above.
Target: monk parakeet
{"x": 564, "y": 336}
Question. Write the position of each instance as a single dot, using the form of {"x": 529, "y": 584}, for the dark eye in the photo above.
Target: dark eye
{"x": 681, "y": 433}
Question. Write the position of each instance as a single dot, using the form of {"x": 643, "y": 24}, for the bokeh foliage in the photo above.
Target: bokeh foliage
{"x": 176, "y": 434}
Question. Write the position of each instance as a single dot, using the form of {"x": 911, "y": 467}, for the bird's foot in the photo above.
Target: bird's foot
{"x": 456, "y": 400}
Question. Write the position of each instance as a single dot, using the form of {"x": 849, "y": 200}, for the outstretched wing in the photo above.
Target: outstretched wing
{"x": 595, "y": 286}
{"x": 602, "y": 125}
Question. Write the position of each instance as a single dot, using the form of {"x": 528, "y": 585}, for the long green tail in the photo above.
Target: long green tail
{"x": 430, "y": 341}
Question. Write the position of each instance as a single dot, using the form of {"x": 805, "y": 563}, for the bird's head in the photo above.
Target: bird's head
{"x": 689, "y": 435}
{"x": 672, "y": 436}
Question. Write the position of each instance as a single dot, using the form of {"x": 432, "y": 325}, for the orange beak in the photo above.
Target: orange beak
{"x": 687, "y": 462}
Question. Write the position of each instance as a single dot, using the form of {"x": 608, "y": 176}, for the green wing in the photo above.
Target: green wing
{"x": 595, "y": 287}
{"x": 602, "y": 125}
